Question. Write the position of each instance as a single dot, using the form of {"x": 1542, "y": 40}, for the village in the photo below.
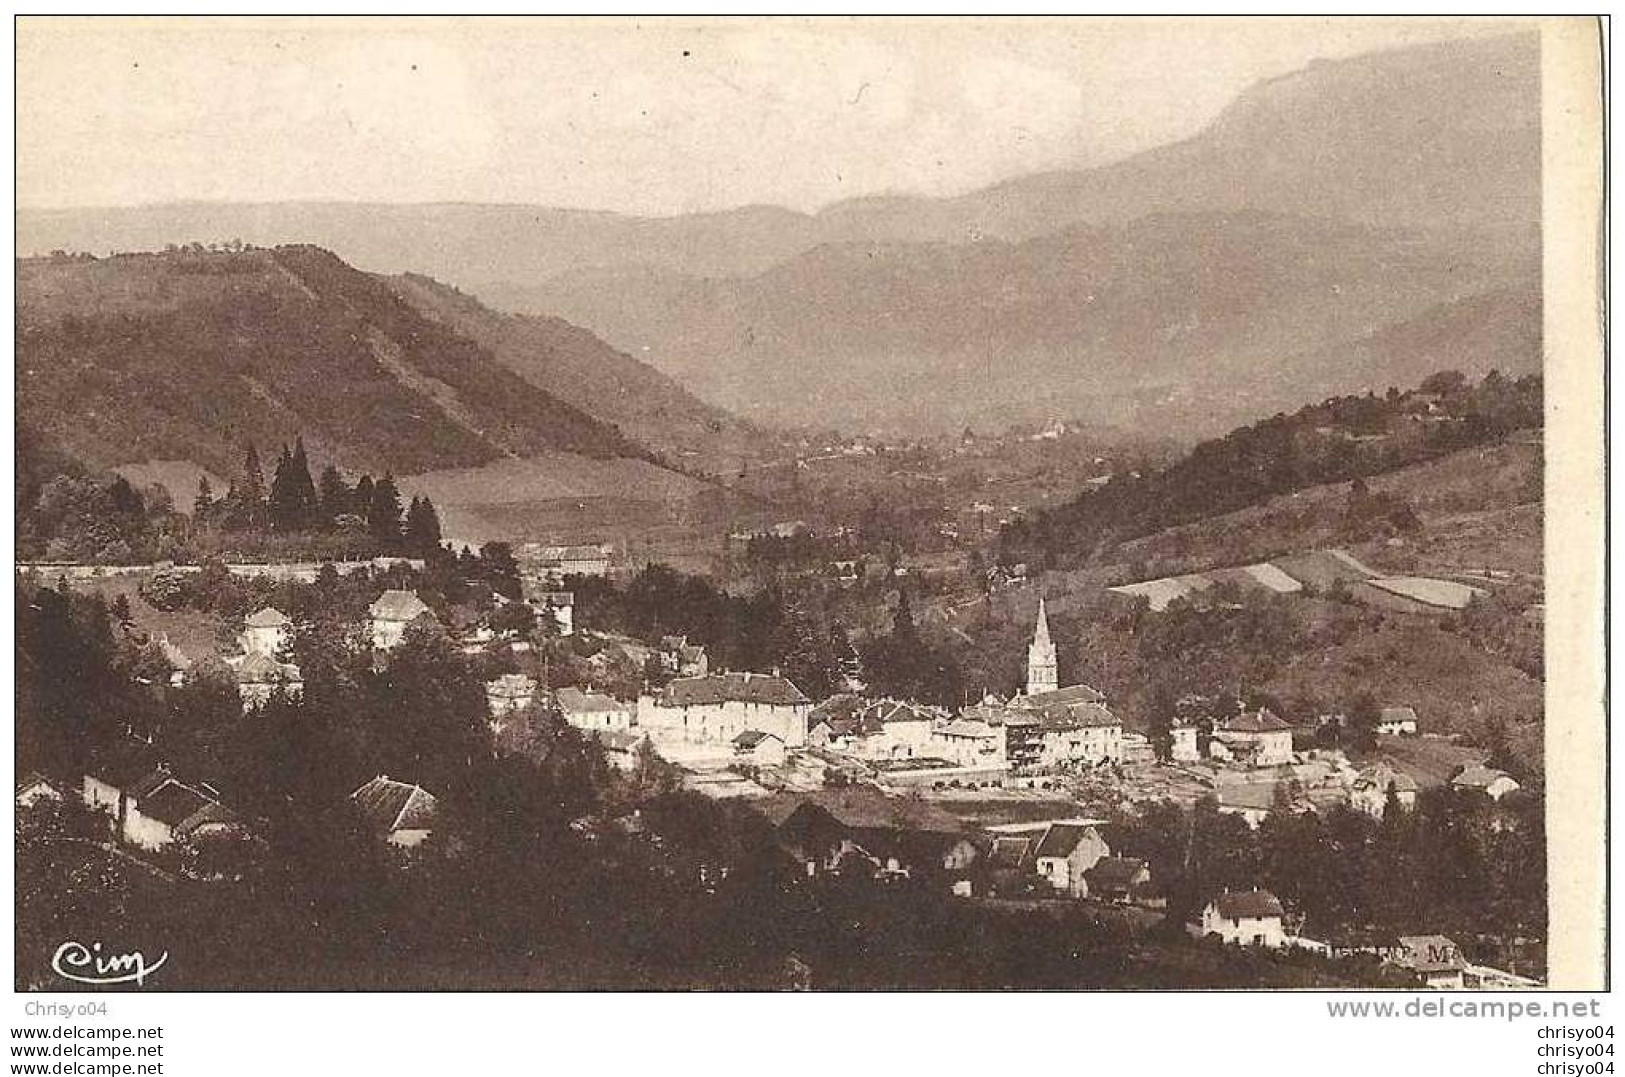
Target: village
{"x": 1014, "y": 798}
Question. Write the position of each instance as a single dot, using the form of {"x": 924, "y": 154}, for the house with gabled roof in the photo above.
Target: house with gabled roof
{"x": 1397, "y": 722}
{"x": 586, "y": 709}
{"x": 1479, "y": 778}
{"x": 173, "y": 811}
{"x": 1122, "y": 880}
{"x": 1246, "y": 918}
{"x": 866, "y": 831}
{"x": 33, "y": 787}
{"x": 260, "y": 676}
{"x": 1065, "y": 853}
{"x": 1256, "y": 738}
{"x": 266, "y": 631}
{"x": 760, "y": 749}
{"x": 390, "y": 614}
{"x": 402, "y": 814}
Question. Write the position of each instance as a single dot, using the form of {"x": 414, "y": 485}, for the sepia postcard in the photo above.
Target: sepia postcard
{"x": 808, "y": 504}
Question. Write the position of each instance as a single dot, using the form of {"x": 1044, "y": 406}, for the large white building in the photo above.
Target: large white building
{"x": 719, "y": 707}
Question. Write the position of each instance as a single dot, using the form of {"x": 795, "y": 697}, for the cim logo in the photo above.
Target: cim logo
{"x": 91, "y": 965}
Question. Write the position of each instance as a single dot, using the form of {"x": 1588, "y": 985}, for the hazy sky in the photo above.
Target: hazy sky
{"x": 637, "y": 116}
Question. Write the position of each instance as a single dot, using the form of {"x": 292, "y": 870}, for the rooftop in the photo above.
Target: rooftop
{"x": 1248, "y": 904}
{"x": 1263, "y": 720}
{"x": 397, "y": 606}
{"x": 576, "y": 701}
{"x": 269, "y": 617}
{"x": 390, "y": 805}
{"x": 769, "y": 689}
{"x": 1061, "y": 838}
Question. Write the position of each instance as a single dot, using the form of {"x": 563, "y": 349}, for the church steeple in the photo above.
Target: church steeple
{"x": 1042, "y": 675}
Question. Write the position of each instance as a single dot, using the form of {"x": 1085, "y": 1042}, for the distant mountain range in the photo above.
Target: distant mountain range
{"x": 191, "y": 355}
{"x": 1347, "y": 226}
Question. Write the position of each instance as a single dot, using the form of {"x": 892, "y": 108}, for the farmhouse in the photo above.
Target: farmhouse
{"x": 1122, "y": 880}
{"x": 1397, "y": 722}
{"x": 873, "y": 834}
{"x": 1065, "y": 853}
{"x": 170, "y": 811}
{"x": 1245, "y": 918}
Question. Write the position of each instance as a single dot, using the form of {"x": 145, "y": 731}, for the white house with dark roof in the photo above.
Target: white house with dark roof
{"x": 586, "y": 709}
{"x": 1397, "y": 722}
{"x": 1065, "y": 853}
{"x": 389, "y": 616}
{"x": 266, "y": 631}
{"x": 1256, "y": 738}
{"x": 1479, "y": 778}
{"x": 402, "y": 814}
{"x": 1246, "y": 918}
{"x": 719, "y": 707}
{"x": 758, "y": 748}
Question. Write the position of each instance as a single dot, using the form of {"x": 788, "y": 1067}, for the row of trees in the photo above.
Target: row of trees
{"x": 293, "y": 503}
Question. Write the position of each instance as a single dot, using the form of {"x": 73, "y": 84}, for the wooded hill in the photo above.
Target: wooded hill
{"x": 1337, "y": 440}
{"x": 191, "y": 354}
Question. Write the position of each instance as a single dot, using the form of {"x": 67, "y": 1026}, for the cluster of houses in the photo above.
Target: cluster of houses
{"x": 150, "y": 807}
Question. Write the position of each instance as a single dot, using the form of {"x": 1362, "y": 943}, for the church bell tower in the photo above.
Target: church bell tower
{"x": 1041, "y": 672}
